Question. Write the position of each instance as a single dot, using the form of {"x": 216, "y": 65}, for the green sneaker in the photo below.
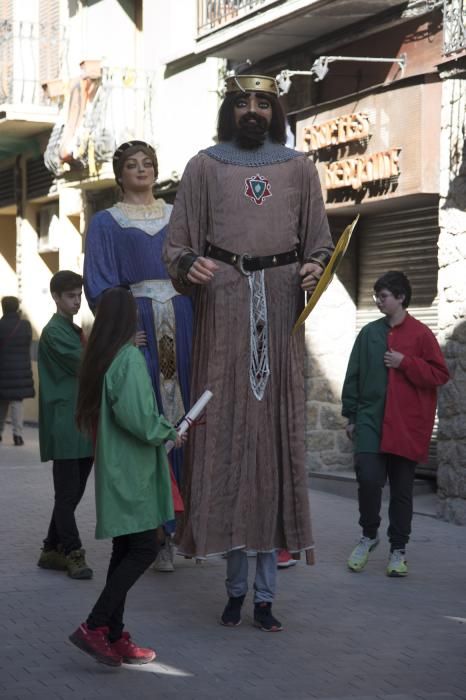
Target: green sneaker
{"x": 53, "y": 559}
{"x": 397, "y": 564}
{"x": 360, "y": 554}
{"x": 77, "y": 566}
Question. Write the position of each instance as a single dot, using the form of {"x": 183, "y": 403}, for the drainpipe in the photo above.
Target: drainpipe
{"x": 20, "y": 189}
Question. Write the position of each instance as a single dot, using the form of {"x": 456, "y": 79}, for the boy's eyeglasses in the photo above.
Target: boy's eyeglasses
{"x": 381, "y": 297}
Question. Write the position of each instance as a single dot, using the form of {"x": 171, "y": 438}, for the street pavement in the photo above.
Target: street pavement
{"x": 361, "y": 636}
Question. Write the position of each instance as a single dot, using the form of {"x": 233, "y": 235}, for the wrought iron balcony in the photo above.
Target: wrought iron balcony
{"x": 30, "y": 53}
{"x": 109, "y": 107}
{"x": 213, "y": 14}
{"x": 454, "y": 29}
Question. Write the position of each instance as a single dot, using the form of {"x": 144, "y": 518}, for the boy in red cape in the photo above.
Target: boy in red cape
{"x": 389, "y": 397}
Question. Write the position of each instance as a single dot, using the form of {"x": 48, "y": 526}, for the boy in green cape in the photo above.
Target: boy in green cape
{"x": 60, "y": 350}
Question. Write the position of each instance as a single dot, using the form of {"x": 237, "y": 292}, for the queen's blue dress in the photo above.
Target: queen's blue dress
{"x": 124, "y": 247}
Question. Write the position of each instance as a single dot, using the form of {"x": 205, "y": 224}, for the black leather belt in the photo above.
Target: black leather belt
{"x": 246, "y": 263}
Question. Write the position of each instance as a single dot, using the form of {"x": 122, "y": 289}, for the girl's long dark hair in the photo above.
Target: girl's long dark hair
{"x": 226, "y": 127}
{"x": 114, "y": 326}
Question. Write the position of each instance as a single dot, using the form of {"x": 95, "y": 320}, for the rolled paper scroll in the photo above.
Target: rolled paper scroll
{"x": 185, "y": 423}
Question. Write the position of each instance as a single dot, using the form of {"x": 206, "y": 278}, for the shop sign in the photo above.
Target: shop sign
{"x": 381, "y": 144}
{"x": 340, "y": 130}
{"x": 358, "y": 171}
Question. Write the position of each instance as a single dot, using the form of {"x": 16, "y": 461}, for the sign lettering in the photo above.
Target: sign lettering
{"x": 355, "y": 172}
{"x": 351, "y": 127}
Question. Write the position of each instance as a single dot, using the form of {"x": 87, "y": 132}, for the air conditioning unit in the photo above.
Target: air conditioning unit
{"x": 49, "y": 229}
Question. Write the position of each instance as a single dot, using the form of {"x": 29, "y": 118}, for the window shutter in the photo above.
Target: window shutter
{"x": 49, "y": 37}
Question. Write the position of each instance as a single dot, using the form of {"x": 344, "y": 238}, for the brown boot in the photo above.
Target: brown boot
{"x": 77, "y": 566}
{"x": 53, "y": 559}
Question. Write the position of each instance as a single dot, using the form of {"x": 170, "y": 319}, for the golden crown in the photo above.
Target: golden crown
{"x": 251, "y": 83}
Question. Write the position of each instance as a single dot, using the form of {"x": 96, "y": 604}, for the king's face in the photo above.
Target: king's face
{"x": 249, "y": 104}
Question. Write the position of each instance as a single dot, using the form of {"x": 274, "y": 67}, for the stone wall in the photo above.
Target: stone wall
{"x": 451, "y": 477}
{"x": 330, "y": 333}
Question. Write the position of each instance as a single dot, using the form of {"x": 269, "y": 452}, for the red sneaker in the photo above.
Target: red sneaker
{"x": 285, "y": 560}
{"x": 130, "y": 653}
{"x": 96, "y": 644}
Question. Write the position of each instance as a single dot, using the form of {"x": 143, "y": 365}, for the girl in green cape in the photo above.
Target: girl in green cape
{"x": 116, "y": 404}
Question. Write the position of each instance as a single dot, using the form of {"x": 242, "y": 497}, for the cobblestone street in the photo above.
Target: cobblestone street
{"x": 346, "y": 635}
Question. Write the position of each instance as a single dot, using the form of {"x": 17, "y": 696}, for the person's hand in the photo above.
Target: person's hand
{"x": 310, "y": 273}
{"x": 180, "y": 440}
{"x": 140, "y": 339}
{"x": 350, "y": 430}
{"x": 202, "y": 271}
{"x": 393, "y": 359}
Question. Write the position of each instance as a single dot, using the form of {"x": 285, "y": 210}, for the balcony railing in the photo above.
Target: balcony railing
{"x": 454, "y": 29}
{"x": 101, "y": 113}
{"x": 213, "y": 14}
{"x": 30, "y": 54}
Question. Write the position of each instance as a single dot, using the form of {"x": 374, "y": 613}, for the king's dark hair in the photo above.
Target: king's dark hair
{"x": 397, "y": 283}
{"x": 226, "y": 127}
{"x": 114, "y": 326}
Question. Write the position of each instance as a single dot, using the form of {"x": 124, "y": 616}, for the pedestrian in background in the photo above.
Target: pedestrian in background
{"x": 117, "y": 405}
{"x": 16, "y": 382}
{"x": 389, "y": 397}
{"x": 60, "y": 349}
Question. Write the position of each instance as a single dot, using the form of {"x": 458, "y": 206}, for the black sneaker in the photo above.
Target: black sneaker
{"x": 264, "y": 619}
{"x": 18, "y": 440}
{"x": 231, "y": 616}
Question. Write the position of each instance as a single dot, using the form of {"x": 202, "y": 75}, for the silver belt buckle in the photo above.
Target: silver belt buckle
{"x": 240, "y": 264}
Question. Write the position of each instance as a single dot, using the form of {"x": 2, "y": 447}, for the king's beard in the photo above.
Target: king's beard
{"x": 251, "y": 131}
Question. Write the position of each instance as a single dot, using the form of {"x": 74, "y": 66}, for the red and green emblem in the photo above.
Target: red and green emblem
{"x": 257, "y": 188}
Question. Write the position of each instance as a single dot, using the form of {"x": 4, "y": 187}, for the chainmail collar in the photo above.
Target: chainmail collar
{"x": 267, "y": 154}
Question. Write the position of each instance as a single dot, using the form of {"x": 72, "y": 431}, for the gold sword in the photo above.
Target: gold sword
{"x": 327, "y": 275}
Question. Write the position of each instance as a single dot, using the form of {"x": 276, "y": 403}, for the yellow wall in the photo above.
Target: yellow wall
{"x": 28, "y": 293}
{"x": 8, "y": 283}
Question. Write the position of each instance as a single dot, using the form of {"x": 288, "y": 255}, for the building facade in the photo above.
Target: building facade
{"x": 375, "y": 94}
{"x": 78, "y": 79}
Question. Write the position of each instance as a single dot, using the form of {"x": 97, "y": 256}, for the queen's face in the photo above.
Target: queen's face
{"x": 138, "y": 174}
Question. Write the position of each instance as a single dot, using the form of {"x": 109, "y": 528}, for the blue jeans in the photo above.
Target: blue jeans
{"x": 16, "y": 413}
{"x": 265, "y": 579}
